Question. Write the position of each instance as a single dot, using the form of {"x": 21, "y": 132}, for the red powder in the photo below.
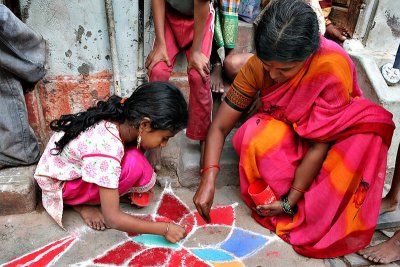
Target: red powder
{"x": 118, "y": 255}
{"x": 192, "y": 261}
{"x": 29, "y": 257}
{"x": 47, "y": 258}
{"x": 219, "y": 215}
{"x": 151, "y": 257}
{"x": 172, "y": 208}
{"x": 272, "y": 253}
{"x": 188, "y": 223}
{"x": 177, "y": 258}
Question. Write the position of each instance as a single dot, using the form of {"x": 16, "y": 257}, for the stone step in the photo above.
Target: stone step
{"x": 389, "y": 220}
{"x": 188, "y": 167}
{"x": 18, "y": 190}
{"x": 245, "y": 36}
{"x": 355, "y": 260}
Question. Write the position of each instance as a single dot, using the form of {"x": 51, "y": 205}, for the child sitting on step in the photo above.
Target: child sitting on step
{"x": 184, "y": 26}
{"x": 96, "y": 156}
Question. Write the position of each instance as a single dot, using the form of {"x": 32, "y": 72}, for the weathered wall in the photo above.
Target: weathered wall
{"x": 384, "y": 33}
{"x": 376, "y": 41}
{"x": 79, "y": 56}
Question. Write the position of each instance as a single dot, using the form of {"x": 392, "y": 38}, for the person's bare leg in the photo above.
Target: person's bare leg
{"x": 233, "y": 63}
{"x": 392, "y": 198}
{"x": 216, "y": 80}
{"x": 202, "y": 148}
{"x": 155, "y": 158}
{"x": 385, "y": 252}
{"x": 92, "y": 216}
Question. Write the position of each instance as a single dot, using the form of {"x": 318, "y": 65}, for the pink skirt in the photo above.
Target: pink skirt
{"x": 137, "y": 175}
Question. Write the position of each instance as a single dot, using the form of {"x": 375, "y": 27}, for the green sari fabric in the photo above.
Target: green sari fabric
{"x": 226, "y": 23}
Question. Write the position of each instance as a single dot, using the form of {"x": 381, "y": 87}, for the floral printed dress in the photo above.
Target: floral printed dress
{"x": 93, "y": 158}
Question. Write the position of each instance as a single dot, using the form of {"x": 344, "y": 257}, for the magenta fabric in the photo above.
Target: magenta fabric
{"x": 322, "y": 103}
{"x": 136, "y": 172}
{"x": 178, "y": 33}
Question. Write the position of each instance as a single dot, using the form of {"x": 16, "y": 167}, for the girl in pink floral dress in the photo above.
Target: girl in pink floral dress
{"x": 96, "y": 156}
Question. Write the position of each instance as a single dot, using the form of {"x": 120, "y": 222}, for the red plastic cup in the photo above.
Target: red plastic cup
{"x": 261, "y": 193}
{"x": 142, "y": 199}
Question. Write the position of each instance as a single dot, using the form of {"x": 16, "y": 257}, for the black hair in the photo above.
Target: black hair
{"x": 288, "y": 31}
{"x": 161, "y": 102}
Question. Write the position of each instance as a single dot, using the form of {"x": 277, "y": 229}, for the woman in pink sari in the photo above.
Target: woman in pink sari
{"x": 318, "y": 144}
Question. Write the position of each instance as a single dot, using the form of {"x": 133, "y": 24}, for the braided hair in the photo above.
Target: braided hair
{"x": 161, "y": 102}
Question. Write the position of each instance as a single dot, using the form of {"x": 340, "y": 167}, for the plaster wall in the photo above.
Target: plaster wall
{"x": 80, "y": 65}
{"x": 384, "y": 32}
{"x": 78, "y": 38}
{"x": 375, "y": 43}
{"x": 375, "y": 88}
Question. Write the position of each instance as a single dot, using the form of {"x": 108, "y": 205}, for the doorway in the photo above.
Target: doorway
{"x": 345, "y": 13}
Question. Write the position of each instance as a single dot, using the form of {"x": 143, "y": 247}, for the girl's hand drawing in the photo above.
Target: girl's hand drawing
{"x": 174, "y": 232}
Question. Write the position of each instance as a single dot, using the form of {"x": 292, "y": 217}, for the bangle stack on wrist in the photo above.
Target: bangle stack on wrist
{"x": 286, "y": 206}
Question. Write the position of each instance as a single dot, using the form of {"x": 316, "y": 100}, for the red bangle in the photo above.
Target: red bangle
{"x": 209, "y": 167}
{"x": 298, "y": 189}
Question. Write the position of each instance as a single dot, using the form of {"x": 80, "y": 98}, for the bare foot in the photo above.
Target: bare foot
{"x": 92, "y": 216}
{"x": 216, "y": 80}
{"x": 385, "y": 252}
{"x": 336, "y": 34}
{"x": 155, "y": 158}
{"x": 387, "y": 205}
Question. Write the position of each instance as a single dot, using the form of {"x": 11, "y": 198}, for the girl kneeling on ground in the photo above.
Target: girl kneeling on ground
{"x": 96, "y": 156}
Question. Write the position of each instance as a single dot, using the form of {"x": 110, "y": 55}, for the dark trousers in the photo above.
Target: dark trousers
{"x": 22, "y": 58}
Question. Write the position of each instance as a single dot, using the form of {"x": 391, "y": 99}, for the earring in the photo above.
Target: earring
{"x": 138, "y": 140}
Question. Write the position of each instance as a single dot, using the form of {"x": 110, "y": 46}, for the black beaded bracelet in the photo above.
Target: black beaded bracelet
{"x": 286, "y": 206}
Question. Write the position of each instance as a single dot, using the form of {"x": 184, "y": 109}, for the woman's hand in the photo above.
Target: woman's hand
{"x": 203, "y": 199}
{"x": 269, "y": 210}
{"x": 174, "y": 232}
{"x": 221, "y": 126}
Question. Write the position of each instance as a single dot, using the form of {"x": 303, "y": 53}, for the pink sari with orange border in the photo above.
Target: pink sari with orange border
{"x": 322, "y": 103}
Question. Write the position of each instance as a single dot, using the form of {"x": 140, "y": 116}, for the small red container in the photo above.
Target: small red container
{"x": 142, "y": 199}
{"x": 261, "y": 193}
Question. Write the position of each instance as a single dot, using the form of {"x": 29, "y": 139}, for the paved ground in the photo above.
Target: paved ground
{"x": 33, "y": 238}
{"x": 29, "y": 234}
